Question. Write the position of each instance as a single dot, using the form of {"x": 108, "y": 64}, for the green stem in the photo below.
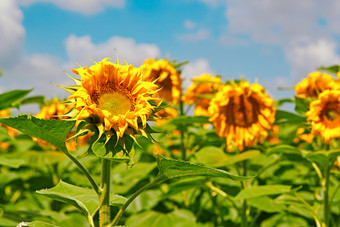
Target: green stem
{"x": 326, "y": 195}
{"x": 82, "y": 168}
{"x": 127, "y": 203}
{"x": 104, "y": 195}
{"x": 181, "y": 112}
{"x": 244, "y": 203}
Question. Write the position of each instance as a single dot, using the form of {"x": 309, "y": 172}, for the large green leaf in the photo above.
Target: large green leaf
{"x": 12, "y": 163}
{"x": 10, "y": 98}
{"x": 84, "y": 199}
{"x": 170, "y": 168}
{"x": 52, "y": 131}
{"x": 323, "y": 158}
{"x": 216, "y": 157}
{"x": 266, "y": 204}
{"x": 262, "y": 190}
{"x": 287, "y": 117}
{"x": 331, "y": 69}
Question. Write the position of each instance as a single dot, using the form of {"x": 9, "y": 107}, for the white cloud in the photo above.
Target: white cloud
{"x": 195, "y": 68}
{"x": 189, "y": 24}
{"x": 12, "y": 32}
{"x": 81, "y": 6}
{"x": 201, "y": 34}
{"x": 212, "y": 3}
{"x": 306, "y": 56}
{"x": 81, "y": 48}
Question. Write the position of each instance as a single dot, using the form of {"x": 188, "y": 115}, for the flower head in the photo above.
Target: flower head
{"x": 242, "y": 113}
{"x": 314, "y": 84}
{"x": 166, "y": 77}
{"x": 198, "y": 93}
{"x": 115, "y": 95}
{"x": 324, "y": 114}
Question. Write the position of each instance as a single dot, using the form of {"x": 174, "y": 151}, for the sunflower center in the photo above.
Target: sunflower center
{"x": 242, "y": 111}
{"x": 115, "y": 102}
{"x": 332, "y": 115}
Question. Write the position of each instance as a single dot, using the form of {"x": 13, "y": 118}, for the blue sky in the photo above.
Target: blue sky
{"x": 276, "y": 42}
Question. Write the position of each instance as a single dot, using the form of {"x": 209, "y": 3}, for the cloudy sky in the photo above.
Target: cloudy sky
{"x": 273, "y": 42}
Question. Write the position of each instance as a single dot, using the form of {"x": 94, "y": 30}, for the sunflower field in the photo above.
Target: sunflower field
{"x": 131, "y": 147}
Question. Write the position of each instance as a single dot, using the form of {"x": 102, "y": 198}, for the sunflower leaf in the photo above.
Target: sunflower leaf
{"x": 11, "y": 98}
{"x": 170, "y": 168}
{"x": 51, "y": 131}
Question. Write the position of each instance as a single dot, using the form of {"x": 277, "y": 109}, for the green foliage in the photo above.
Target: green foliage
{"x": 52, "y": 131}
{"x": 12, "y": 98}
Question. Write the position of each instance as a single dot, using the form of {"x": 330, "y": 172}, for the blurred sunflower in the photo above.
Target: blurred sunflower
{"x": 166, "y": 77}
{"x": 324, "y": 114}
{"x": 166, "y": 114}
{"x": 242, "y": 113}
{"x": 199, "y": 92}
{"x": 115, "y": 95}
{"x": 314, "y": 84}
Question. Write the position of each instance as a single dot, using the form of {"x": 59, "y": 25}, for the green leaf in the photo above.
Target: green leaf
{"x": 330, "y": 69}
{"x": 33, "y": 100}
{"x": 287, "y": 117}
{"x": 85, "y": 199}
{"x": 170, "y": 168}
{"x": 9, "y": 99}
{"x": 280, "y": 102}
{"x": 258, "y": 191}
{"x": 52, "y": 131}
{"x": 216, "y": 157}
{"x": 39, "y": 158}
{"x": 284, "y": 149}
{"x": 302, "y": 105}
{"x": 187, "y": 120}
{"x": 12, "y": 163}
{"x": 323, "y": 158}
{"x": 266, "y": 204}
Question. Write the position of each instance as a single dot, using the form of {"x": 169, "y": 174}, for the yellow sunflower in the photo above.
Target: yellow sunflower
{"x": 198, "y": 92}
{"x": 324, "y": 114}
{"x": 115, "y": 95}
{"x": 242, "y": 113}
{"x": 166, "y": 114}
{"x": 314, "y": 84}
{"x": 166, "y": 77}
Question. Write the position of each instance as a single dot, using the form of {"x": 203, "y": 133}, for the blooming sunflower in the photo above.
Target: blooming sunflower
{"x": 324, "y": 114}
{"x": 115, "y": 95}
{"x": 314, "y": 84}
{"x": 242, "y": 113}
{"x": 166, "y": 77}
{"x": 204, "y": 85}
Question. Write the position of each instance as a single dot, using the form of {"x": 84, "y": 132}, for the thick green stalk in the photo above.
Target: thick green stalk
{"x": 104, "y": 194}
{"x": 325, "y": 187}
{"x": 244, "y": 203}
{"x": 181, "y": 113}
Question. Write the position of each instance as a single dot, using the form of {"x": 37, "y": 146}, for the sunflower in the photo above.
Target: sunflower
{"x": 324, "y": 114}
{"x": 242, "y": 113}
{"x": 115, "y": 95}
{"x": 166, "y": 77}
{"x": 199, "y": 92}
{"x": 166, "y": 114}
{"x": 314, "y": 84}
